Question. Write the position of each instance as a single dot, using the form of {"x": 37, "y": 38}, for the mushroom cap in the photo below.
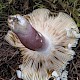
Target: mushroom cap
{"x": 60, "y": 32}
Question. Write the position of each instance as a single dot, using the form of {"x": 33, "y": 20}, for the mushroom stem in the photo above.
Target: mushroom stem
{"x": 32, "y": 39}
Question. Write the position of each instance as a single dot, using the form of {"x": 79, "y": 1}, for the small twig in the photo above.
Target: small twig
{"x": 9, "y": 59}
{"x": 12, "y": 68}
{"x": 51, "y": 4}
{"x": 13, "y": 78}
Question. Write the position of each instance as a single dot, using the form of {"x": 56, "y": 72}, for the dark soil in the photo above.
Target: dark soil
{"x": 10, "y": 58}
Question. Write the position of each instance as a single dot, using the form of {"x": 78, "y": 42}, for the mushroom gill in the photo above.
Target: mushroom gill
{"x": 45, "y": 42}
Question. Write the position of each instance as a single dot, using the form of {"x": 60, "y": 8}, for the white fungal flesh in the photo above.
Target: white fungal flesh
{"x": 71, "y": 32}
{"x": 77, "y": 35}
{"x": 55, "y": 74}
{"x": 62, "y": 34}
{"x": 71, "y": 45}
{"x": 64, "y": 75}
{"x": 22, "y": 20}
{"x": 19, "y": 74}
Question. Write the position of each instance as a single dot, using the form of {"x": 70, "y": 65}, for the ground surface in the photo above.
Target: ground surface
{"x": 9, "y": 56}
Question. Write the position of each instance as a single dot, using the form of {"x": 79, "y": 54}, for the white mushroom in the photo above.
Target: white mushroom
{"x": 45, "y": 42}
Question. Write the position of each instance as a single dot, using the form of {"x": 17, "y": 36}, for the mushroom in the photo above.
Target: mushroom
{"x": 45, "y": 41}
